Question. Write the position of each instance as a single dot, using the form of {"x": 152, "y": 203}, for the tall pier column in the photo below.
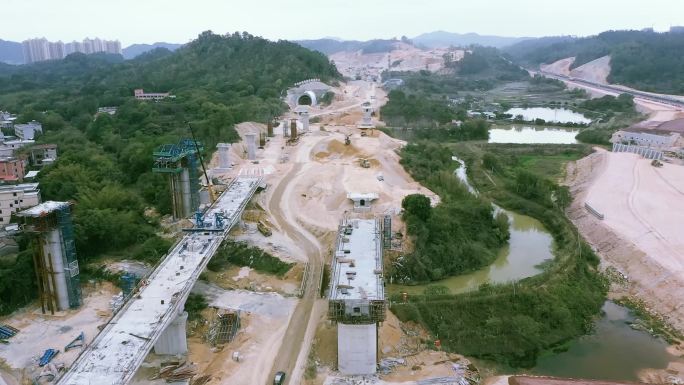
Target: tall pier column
{"x": 173, "y": 340}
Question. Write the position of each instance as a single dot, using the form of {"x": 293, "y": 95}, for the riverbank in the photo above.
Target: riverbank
{"x": 515, "y": 323}
{"x": 634, "y": 238}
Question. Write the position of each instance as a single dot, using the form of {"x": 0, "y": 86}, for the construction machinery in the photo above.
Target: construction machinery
{"x": 210, "y": 185}
{"x": 264, "y": 229}
{"x": 656, "y": 163}
{"x": 365, "y": 163}
{"x": 347, "y": 140}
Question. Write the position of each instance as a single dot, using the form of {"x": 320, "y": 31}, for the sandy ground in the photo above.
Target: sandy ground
{"x": 404, "y": 57}
{"x": 596, "y": 71}
{"x": 397, "y": 341}
{"x": 560, "y": 67}
{"x": 40, "y": 332}
{"x": 267, "y": 315}
{"x": 306, "y": 198}
{"x": 641, "y": 233}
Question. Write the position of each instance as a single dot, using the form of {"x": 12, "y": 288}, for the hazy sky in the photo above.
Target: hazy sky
{"x": 147, "y": 21}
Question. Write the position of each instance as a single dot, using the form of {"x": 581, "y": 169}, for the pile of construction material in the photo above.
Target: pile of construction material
{"x": 7, "y": 332}
{"x": 181, "y": 371}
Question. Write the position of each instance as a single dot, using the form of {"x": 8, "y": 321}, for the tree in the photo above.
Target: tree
{"x": 417, "y": 205}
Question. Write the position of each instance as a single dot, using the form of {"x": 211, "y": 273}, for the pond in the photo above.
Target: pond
{"x": 530, "y": 246}
{"x": 556, "y": 115}
{"x": 532, "y": 135}
{"x": 614, "y": 351}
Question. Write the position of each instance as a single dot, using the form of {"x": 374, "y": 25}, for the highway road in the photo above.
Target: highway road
{"x": 667, "y": 100}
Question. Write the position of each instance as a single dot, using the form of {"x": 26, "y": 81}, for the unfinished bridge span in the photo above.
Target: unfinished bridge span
{"x": 154, "y": 317}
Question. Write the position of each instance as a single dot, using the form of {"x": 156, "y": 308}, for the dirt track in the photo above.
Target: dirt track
{"x": 293, "y": 343}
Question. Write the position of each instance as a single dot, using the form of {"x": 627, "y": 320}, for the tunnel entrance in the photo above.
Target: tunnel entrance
{"x": 305, "y": 100}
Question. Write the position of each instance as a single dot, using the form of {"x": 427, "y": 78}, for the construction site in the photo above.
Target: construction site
{"x": 319, "y": 188}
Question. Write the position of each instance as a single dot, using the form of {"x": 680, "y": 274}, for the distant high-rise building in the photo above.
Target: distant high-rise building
{"x": 40, "y": 49}
{"x": 56, "y": 50}
{"x": 677, "y": 29}
{"x": 36, "y": 50}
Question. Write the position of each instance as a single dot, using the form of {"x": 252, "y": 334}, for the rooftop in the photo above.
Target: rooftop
{"x": 22, "y": 186}
{"x": 357, "y": 263}
{"x": 358, "y": 196}
{"x": 42, "y": 209}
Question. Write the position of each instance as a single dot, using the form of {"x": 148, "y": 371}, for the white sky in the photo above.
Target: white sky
{"x": 176, "y": 21}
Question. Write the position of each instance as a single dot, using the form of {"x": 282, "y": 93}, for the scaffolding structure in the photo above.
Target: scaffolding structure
{"x": 387, "y": 232}
{"x": 181, "y": 163}
{"x": 224, "y": 326}
{"x": 55, "y": 262}
{"x": 360, "y": 312}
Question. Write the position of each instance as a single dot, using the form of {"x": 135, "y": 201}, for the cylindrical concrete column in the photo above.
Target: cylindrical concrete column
{"x": 305, "y": 121}
{"x": 52, "y": 249}
{"x": 173, "y": 340}
{"x": 185, "y": 192}
{"x": 293, "y": 129}
{"x": 286, "y": 133}
{"x": 224, "y": 155}
{"x": 251, "y": 146}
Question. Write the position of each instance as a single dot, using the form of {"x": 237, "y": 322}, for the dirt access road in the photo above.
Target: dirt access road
{"x": 293, "y": 342}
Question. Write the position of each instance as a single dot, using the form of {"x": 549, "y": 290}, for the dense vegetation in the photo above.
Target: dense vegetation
{"x": 420, "y": 109}
{"x": 612, "y": 112}
{"x": 645, "y": 60}
{"x": 433, "y": 100}
{"x": 242, "y": 254}
{"x": 105, "y": 161}
{"x": 460, "y": 234}
{"x": 622, "y": 103}
{"x": 514, "y": 323}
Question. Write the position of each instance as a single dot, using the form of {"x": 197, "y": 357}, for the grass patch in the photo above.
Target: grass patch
{"x": 651, "y": 323}
{"x": 242, "y": 254}
{"x": 194, "y": 306}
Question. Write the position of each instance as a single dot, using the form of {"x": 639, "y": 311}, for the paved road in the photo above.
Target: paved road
{"x": 294, "y": 339}
{"x": 657, "y": 98}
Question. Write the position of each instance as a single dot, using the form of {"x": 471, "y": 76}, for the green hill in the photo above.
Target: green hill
{"x": 645, "y": 60}
{"x": 105, "y": 162}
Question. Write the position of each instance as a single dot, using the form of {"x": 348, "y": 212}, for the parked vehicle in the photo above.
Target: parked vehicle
{"x": 279, "y": 378}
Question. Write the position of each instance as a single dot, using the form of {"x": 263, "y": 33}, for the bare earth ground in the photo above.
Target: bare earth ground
{"x": 641, "y": 234}
{"x": 43, "y": 331}
{"x": 409, "y": 58}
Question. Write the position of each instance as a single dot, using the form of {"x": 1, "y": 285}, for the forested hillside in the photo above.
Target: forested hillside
{"x": 105, "y": 162}
{"x": 645, "y": 60}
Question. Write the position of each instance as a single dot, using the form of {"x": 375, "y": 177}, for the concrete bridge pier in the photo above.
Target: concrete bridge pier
{"x": 173, "y": 340}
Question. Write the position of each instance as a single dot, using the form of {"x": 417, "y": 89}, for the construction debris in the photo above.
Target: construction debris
{"x": 177, "y": 371}
{"x": 201, "y": 380}
{"x": 49, "y": 372}
{"x": 76, "y": 343}
{"x": 387, "y": 364}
